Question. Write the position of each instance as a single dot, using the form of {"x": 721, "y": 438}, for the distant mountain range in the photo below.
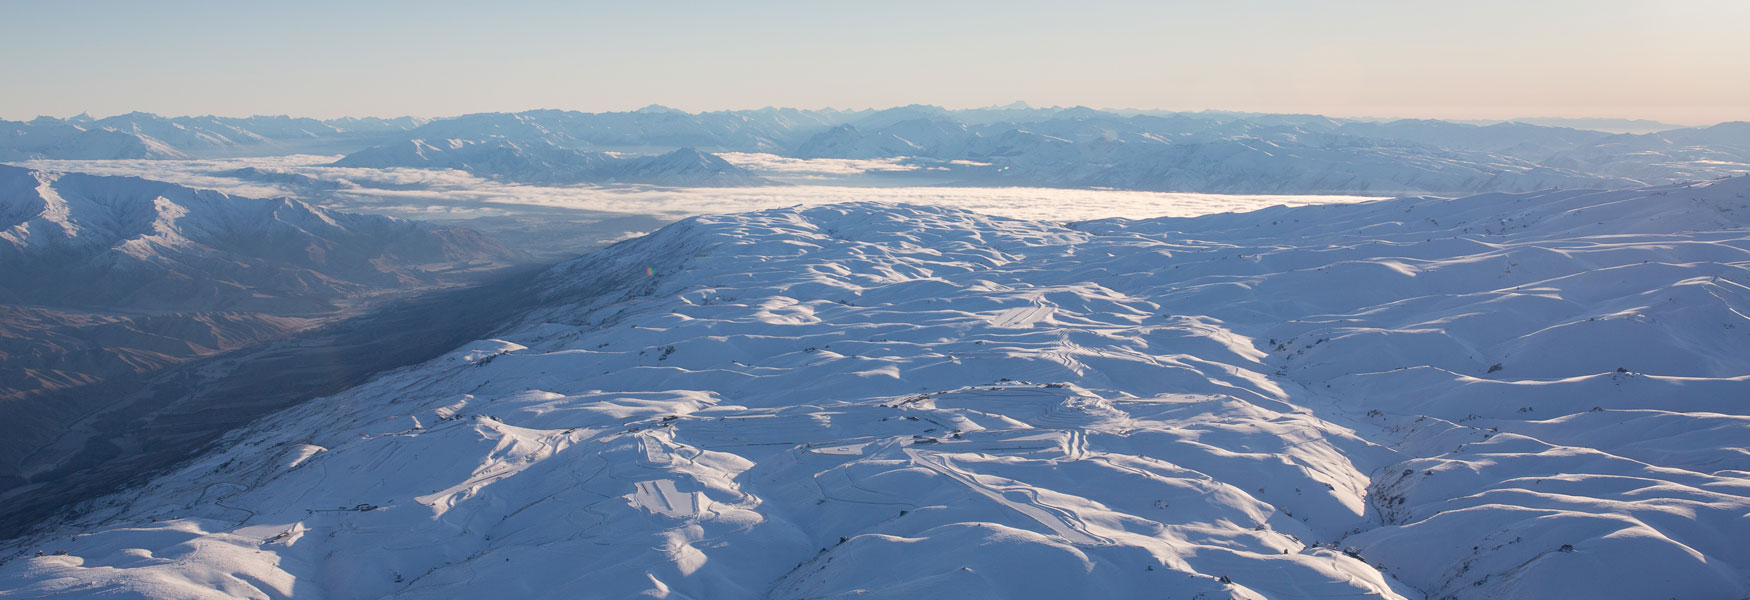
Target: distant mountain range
{"x": 1013, "y": 145}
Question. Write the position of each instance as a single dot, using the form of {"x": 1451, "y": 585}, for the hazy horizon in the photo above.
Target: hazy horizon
{"x": 1116, "y": 109}
{"x": 1626, "y": 59}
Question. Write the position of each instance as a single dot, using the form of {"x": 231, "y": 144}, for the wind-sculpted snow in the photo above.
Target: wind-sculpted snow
{"x": 1532, "y": 395}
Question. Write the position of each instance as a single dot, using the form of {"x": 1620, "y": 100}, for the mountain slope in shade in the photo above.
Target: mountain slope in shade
{"x": 539, "y": 161}
{"x": 1507, "y": 395}
{"x": 685, "y": 167}
{"x": 80, "y": 240}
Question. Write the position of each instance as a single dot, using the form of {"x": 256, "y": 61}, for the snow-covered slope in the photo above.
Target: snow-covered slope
{"x": 82, "y": 240}
{"x": 1528, "y": 395}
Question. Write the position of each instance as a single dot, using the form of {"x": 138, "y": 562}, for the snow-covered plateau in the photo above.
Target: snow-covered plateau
{"x": 1529, "y": 395}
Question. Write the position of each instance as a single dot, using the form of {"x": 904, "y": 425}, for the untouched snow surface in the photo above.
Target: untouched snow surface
{"x": 1508, "y": 395}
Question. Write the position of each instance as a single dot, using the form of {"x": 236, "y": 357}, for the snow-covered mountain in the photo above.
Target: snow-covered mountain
{"x": 48, "y": 138}
{"x": 914, "y": 137}
{"x": 1332, "y": 165}
{"x": 1505, "y": 395}
{"x": 653, "y": 127}
{"x": 72, "y": 240}
{"x": 296, "y": 181}
{"x": 1607, "y": 125}
{"x": 145, "y": 135}
{"x": 846, "y": 141}
{"x": 495, "y": 158}
{"x": 1683, "y": 154}
{"x": 1519, "y": 140}
{"x": 685, "y": 167}
{"x": 1085, "y": 148}
{"x": 540, "y": 161}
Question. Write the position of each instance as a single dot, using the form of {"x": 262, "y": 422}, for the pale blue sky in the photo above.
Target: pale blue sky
{"x": 1683, "y": 61}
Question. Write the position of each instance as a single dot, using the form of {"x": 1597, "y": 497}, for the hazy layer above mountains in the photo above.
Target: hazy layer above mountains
{"x": 1212, "y": 152}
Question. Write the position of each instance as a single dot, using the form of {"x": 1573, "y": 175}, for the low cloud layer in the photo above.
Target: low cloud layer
{"x": 445, "y": 194}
